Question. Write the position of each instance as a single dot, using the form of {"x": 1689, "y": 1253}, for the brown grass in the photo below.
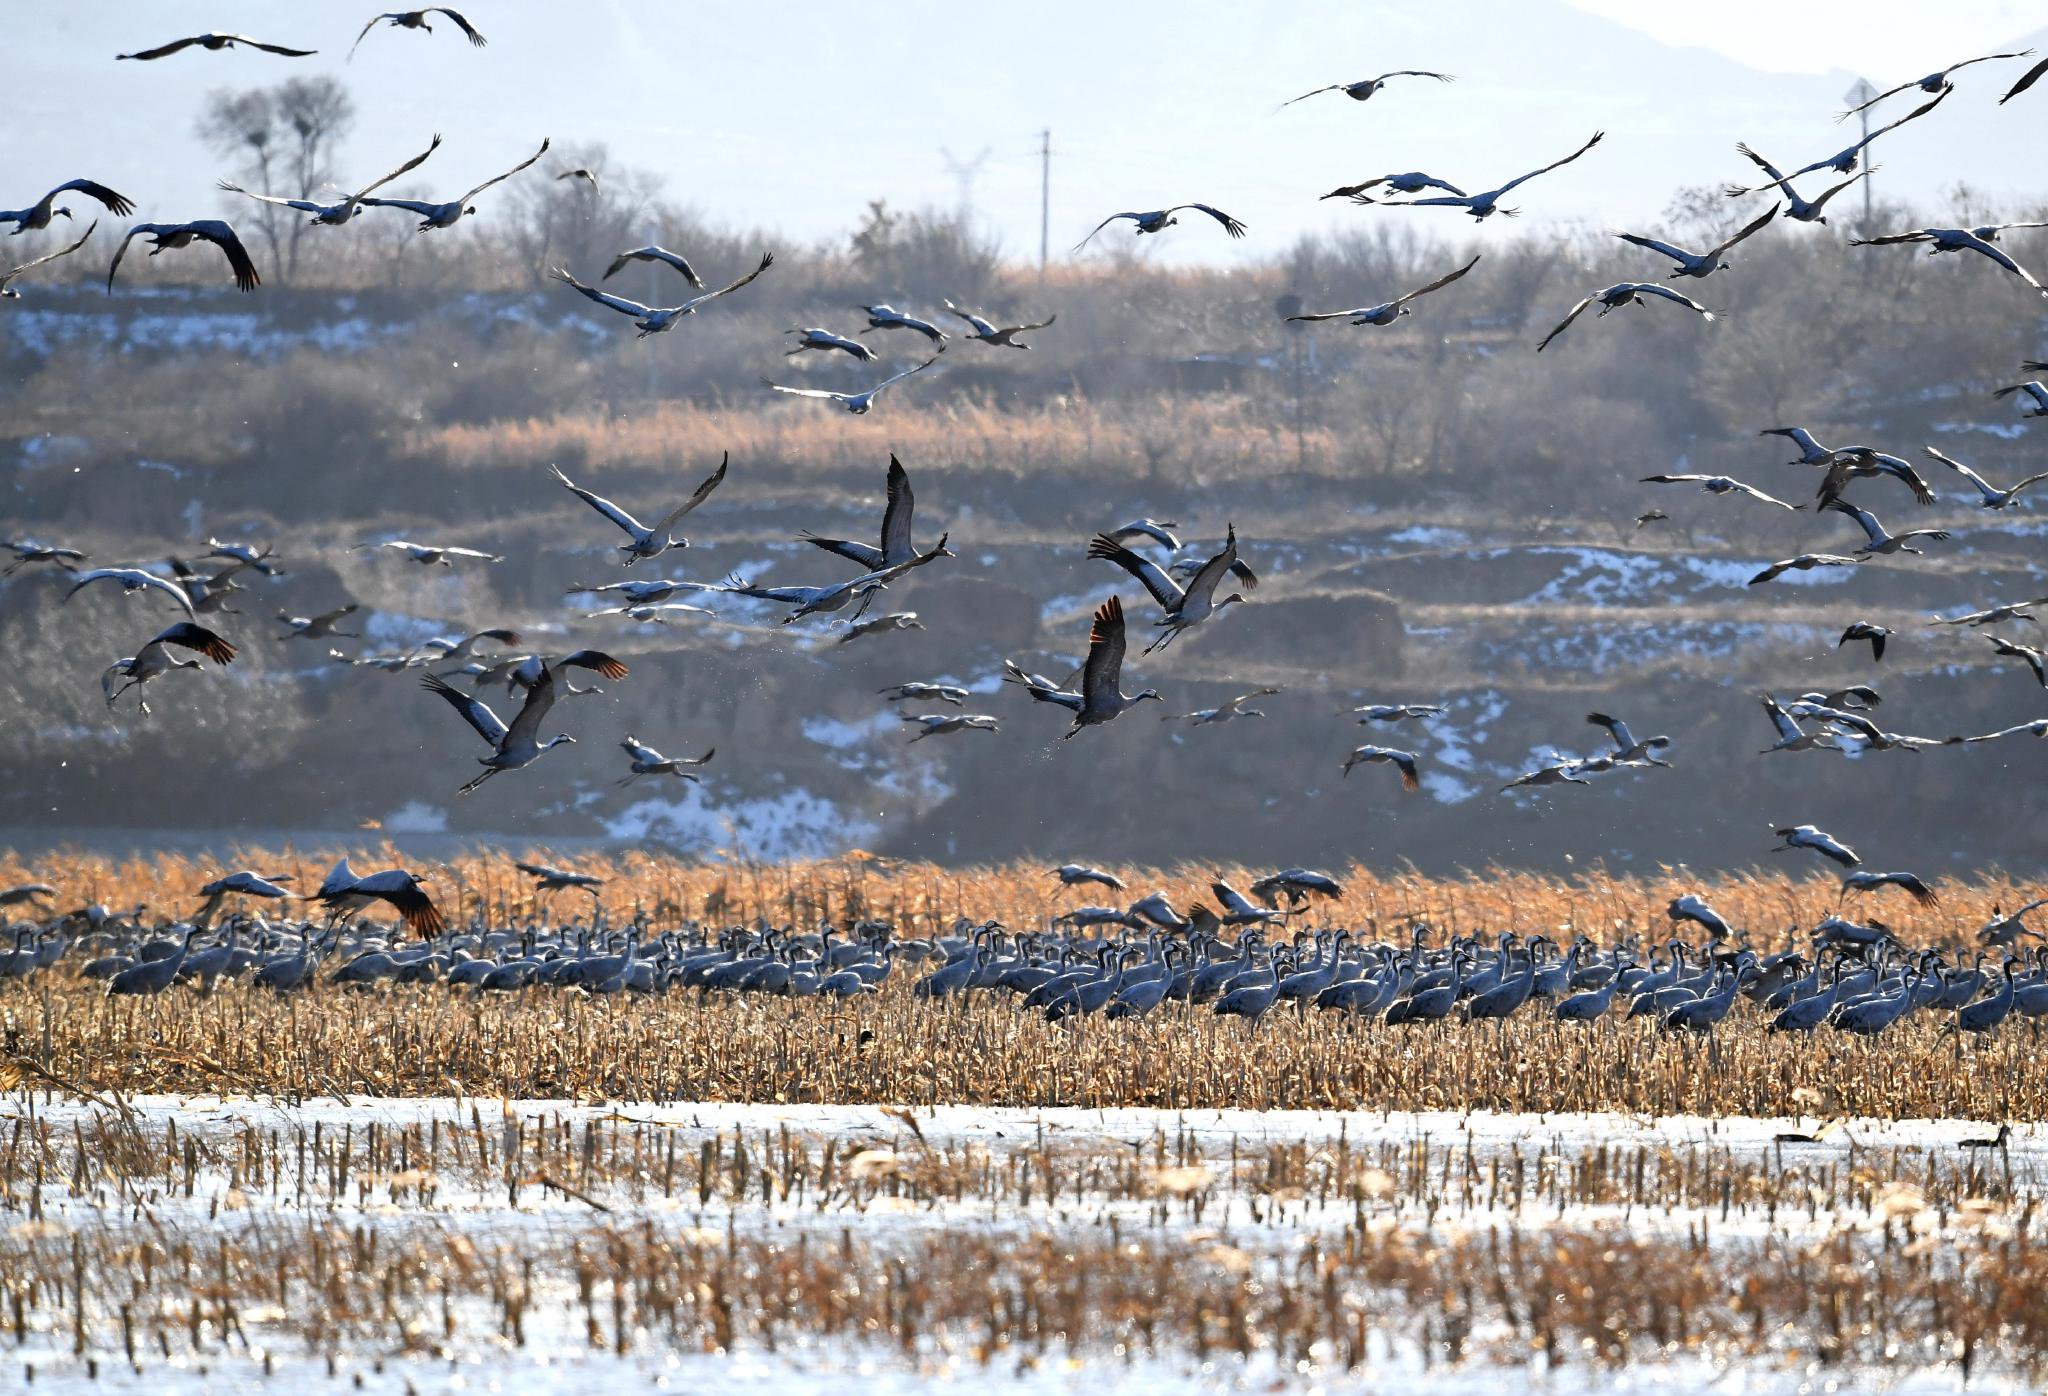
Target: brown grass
{"x": 1068, "y": 436}
{"x": 924, "y": 898}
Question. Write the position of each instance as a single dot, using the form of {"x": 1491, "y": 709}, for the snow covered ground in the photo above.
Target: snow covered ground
{"x": 555, "y": 1355}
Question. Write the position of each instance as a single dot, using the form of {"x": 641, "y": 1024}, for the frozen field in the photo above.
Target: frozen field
{"x": 433, "y": 1198}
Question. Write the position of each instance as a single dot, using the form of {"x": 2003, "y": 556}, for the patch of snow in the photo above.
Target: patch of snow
{"x": 1428, "y": 536}
{"x": 417, "y": 817}
{"x": 793, "y": 825}
{"x": 2004, "y": 431}
{"x": 1447, "y": 789}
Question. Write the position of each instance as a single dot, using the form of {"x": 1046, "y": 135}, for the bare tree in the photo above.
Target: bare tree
{"x": 244, "y": 125}
{"x": 283, "y": 134}
{"x": 313, "y": 116}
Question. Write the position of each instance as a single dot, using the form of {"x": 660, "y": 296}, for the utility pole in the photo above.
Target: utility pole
{"x": 653, "y": 298}
{"x": 1044, "y": 201}
{"x": 1856, "y": 96}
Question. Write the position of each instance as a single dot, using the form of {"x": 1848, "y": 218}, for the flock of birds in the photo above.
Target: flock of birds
{"x": 1108, "y": 961}
{"x": 1184, "y": 592}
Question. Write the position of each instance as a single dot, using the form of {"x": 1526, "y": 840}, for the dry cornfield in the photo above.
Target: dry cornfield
{"x": 922, "y": 898}
{"x": 894, "y": 1048}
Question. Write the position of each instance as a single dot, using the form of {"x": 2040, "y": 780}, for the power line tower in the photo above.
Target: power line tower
{"x": 1856, "y": 96}
{"x": 965, "y": 172}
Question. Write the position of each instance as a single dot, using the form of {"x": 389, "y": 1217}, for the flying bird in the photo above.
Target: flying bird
{"x": 1716, "y": 485}
{"x": 37, "y": 215}
{"x": 652, "y": 253}
{"x": 132, "y": 580}
{"x": 1695, "y": 909}
{"x": 1222, "y": 712}
{"x": 1158, "y": 531}
{"x": 334, "y": 215}
{"x": 649, "y": 762}
{"x": 1882, "y": 544}
{"x": 589, "y": 177}
{"x": 8, "y": 274}
{"x": 856, "y": 403}
{"x": 1994, "y": 615}
{"x": 1078, "y": 874}
{"x": 880, "y": 625}
{"x": 344, "y": 892}
{"x": 1364, "y": 88}
{"x": 1183, "y": 608}
{"x": 647, "y": 540}
{"x": 258, "y": 560}
{"x": 1413, "y": 182}
{"x": 28, "y": 551}
{"x": 2037, "y": 392}
{"x": 2037, "y": 728}
{"x": 1701, "y": 263}
{"x": 1864, "y": 463}
{"x": 643, "y": 593}
{"x": 1557, "y": 773}
{"x": 1811, "y": 452}
{"x": 1791, "y": 735}
{"x": 428, "y": 554}
{"x": 1102, "y": 697}
{"x": 1805, "y": 562}
{"x": 988, "y": 333}
{"x": 939, "y": 724}
{"x": 1842, "y": 161}
{"x": 1392, "y": 310}
{"x": 1797, "y": 208}
{"x": 1396, "y": 712}
{"x": 898, "y": 517}
{"x": 918, "y": 692}
{"x": 1941, "y": 240}
{"x": 1404, "y": 760}
{"x": 449, "y": 214}
{"x": 170, "y": 236}
{"x": 2036, "y": 659}
{"x": 652, "y": 613}
{"x": 2027, "y": 80}
{"x": 1627, "y": 750}
{"x": 1904, "y": 881}
{"x": 1624, "y": 293}
{"x": 1486, "y": 204}
{"x": 1935, "y": 82}
{"x": 1158, "y": 220}
{"x": 821, "y": 600}
{"x": 318, "y": 627}
{"x": 548, "y": 878}
{"x": 1989, "y": 495}
{"x": 155, "y": 658}
{"x": 655, "y": 319}
{"x": 1865, "y": 630}
{"x": 888, "y": 317}
{"x": 825, "y": 340}
{"x": 215, "y": 43}
{"x": 417, "y": 19}
{"x": 514, "y": 745}
{"x": 1807, "y": 836}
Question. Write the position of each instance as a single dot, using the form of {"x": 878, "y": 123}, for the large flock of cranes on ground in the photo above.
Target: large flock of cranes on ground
{"x": 1186, "y": 592}
{"x": 1106, "y": 961}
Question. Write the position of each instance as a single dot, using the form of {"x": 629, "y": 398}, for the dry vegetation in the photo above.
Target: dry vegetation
{"x": 1071, "y": 436}
{"x": 894, "y": 1048}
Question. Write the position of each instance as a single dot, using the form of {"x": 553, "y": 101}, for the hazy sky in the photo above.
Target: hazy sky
{"x": 794, "y": 116}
